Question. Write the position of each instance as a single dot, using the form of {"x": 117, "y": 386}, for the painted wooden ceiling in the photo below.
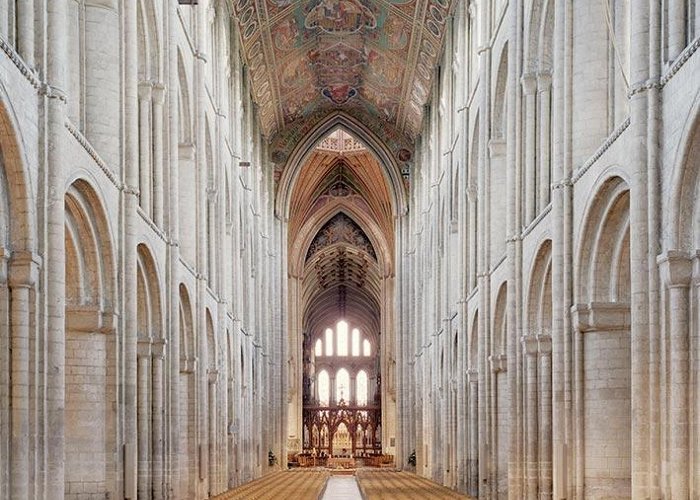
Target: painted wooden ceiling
{"x": 371, "y": 58}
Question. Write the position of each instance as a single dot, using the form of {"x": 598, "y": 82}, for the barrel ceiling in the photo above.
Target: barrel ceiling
{"x": 366, "y": 57}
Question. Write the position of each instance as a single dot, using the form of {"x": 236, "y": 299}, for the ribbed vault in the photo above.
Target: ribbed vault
{"x": 340, "y": 236}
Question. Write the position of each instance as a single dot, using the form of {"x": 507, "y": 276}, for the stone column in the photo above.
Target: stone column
{"x": 145, "y": 130}
{"x": 544, "y": 345}
{"x": 562, "y": 258}
{"x": 473, "y": 481}
{"x": 641, "y": 211}
{"x": 529, "y": 83}
{"x": 531, "y": 438}
{"x": 677, "y": 19}
{"x": 25, "y": 30}
{"x": 144, "y": 417}
{"x": 212, "y": 377}
{"x": 158, "y": 382}
{"x": 676, "y": 269}
{"x": 4, "y": 374}
{"x": 544, "y": 91}
{"x": 174, "y": 251}
{"x": 131, "y": 183}
{"x": 5, "y": 19}
{"x": 57, "y": 64}
{"x": 23, "y": 274}
{"x": 158, "y": 95}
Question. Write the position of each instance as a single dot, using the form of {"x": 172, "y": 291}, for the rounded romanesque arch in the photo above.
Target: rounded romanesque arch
{"x": 17, "y": 219}
{"x": 682, "y": 222}
{"x": 601, "y": 318}
{"x": 90, "y": 291}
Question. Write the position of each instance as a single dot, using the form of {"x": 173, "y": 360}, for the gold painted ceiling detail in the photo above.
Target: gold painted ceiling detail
{"x": 310, "y": 57}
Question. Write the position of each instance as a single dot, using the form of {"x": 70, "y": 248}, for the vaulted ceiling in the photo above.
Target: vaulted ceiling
{"x": 341, "y": 234}
{"x": 371, "y": 58}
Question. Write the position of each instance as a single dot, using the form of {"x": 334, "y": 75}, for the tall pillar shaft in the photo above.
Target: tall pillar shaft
{"x": 529, "y": 82}
{"x": 19, "y": 392}
{"x": 473, "y": 481}
{"x": 23, "y": 274}
{"x": 145, "y": 149}
{"x": 677, "y": 16}
{"x": 131, "y": 193}
{"x": 531, "y": 406}
{"x": 144, "y": 417}
{"x": 676, "y": 268}
{"x": 213, "y": 377}
{"x": 545, "y": 415}
{"x": 5, "y": 15}
{"x": 57, "y": 64}
{"x": 157, "y": 383}
{"x": 544, "y": 86}
{"x": 158, "y": 95}
{"x": 25, "y": 30}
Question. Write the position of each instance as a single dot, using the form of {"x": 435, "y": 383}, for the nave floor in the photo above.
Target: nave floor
{"x": 310, "y": 484}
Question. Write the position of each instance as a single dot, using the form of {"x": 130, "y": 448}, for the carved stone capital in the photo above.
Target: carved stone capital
{"x": 143, "y": 347}
{"x": 24, "y": 269}
{"x": 601, "y": 316}
{"x": 188, "y": 364}
{"x": 158, "y": 93}
{"x": 544, "y": 344}
{"x": 212, "y": 375}
{"x": 472, "y": 376}
{"x": 529, "y": 344}
{"x": 676, "y": 268}
{"x": 529, "y": 83}
{"x": 158, "y": 348}
{"x": 145, "y": 91}
{"x": 499, "y": 363}
{"x": 544, "y": 81}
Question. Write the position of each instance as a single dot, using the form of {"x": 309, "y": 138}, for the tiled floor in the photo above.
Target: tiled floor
{"x": 342, "y": 488}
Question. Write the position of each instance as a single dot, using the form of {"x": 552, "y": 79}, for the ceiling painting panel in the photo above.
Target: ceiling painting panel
{"x": 370, "y": 58}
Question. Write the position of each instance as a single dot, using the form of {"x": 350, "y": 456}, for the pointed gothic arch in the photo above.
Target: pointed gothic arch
{"x": 304, "y": 147}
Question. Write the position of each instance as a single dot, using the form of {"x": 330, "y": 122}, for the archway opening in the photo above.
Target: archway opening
{"x": 340, "y": 249}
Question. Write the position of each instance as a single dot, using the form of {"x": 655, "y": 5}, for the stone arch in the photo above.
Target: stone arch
{"x": 601, "y": 321}
{"x": 366, "y": 223}
{"x": 499, "y": 342}
{"x": 149, "y": 44}
{"x": 17, "y": 221}
{"x": 211, "y": 342}
{"x": 683, "y": 215}
{"x": 186, "y": 399}
{"x": 474, "y": 342}
{"x": 90, "y": 269}
{"x": 539, "y": 299}
{"x": 299, "y": 155}
{"x": 184, "y": 101}
{"x": 604, "y": 245}
{"x": 90, "y": 288}
{"x": 499, "y": 384}
{"x": 500, "y": 98}
{"x": 187, "y": 349}
{"x": 539, "y": 36}
{"x": 150, "y": 321}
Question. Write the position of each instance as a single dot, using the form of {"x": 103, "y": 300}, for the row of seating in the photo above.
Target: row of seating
{"x": 302, "y": 485}
{"x": 393, "y": 485}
